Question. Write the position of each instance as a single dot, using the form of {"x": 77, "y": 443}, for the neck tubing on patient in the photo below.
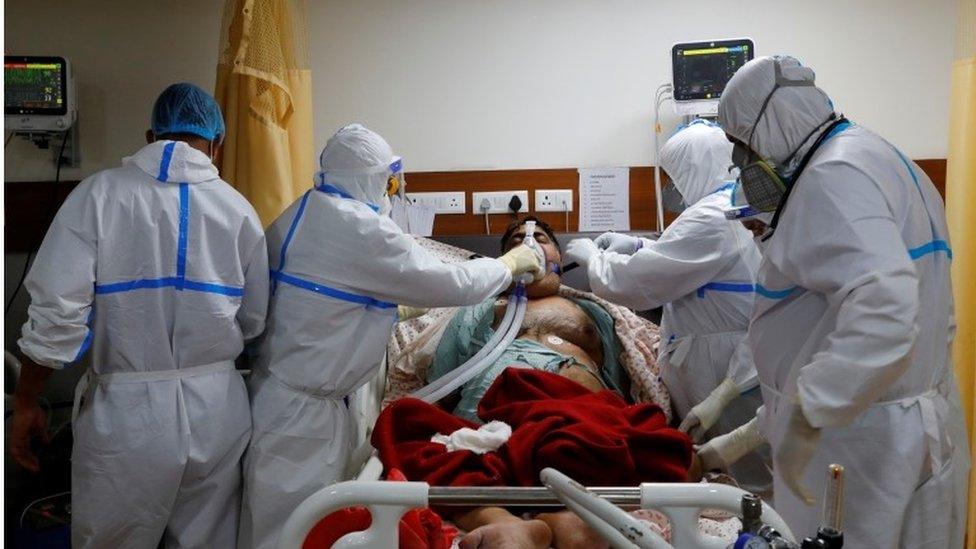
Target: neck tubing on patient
{"x": 506, "y": 333}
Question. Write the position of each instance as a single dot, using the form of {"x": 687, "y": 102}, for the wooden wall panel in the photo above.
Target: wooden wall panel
{"x": 935, "y": 168}
{"x": 29, "y": 206}
{"x": 28, "y": 209}
{"x": 642, "y": 201}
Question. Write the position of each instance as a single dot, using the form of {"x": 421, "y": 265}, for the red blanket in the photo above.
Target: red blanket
{"x": 595, "y": 438}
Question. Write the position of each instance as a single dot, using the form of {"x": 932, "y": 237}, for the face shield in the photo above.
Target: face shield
{"x": 763, "y": 182}
{"x": 396, "y": 183}
{"x": 374, "y": 186}
{"x": 671, "y": 199}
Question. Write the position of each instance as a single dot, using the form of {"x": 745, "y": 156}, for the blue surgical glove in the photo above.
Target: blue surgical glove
{"x": 618, "y": 242}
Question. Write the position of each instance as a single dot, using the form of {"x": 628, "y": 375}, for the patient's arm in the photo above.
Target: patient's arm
{"x": 495, "y": 527}
{"x": 570, "y": 532}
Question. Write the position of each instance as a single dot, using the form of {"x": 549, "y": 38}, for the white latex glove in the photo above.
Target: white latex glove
{"x": 795, "y": 451}
{"x": 617, "y": 242}
{"x": 580, "y": 251}
{"x": 706, "y": 413}
{"x": 723, "y": 451}
{"x": 406, "y": 312}
{"x": 523, "y": 259}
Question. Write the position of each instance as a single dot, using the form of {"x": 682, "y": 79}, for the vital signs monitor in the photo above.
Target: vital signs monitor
{"x": 700, "y": 70}
{"x": 38, "y": 93}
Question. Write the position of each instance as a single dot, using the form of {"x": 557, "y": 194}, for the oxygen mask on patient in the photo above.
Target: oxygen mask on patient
{"x": 529, "y": 241}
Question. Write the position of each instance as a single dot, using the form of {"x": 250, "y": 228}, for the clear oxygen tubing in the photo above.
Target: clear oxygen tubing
{"x": 529, "y": 240}
{"x": 366, "y": 458}
{"x": 507, "y": 331}
{"x": 470, "y": 369}
{"x": 424, "y": 392}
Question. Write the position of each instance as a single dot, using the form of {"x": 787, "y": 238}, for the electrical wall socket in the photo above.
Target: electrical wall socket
{"x": 552, "y": 200}
{"x": 499, "y": 201}
{"x": 443, "y": 203}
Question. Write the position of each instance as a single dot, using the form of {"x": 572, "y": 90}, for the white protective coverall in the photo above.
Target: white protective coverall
{"x": 855, "y": 315}
{"x": 161, "y": 268}
{"x": 339, "y": 270}
{"x": 701, "y": 270}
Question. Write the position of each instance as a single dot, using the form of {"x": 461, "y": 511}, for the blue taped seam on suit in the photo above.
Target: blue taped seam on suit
{"x": 725, "y": 187}
{"x": 936, "y": 245}
{"x": 726, "y": 287}
{"x": 128, "y": 286}
{"x": 333, "y": 190}
{"x": 179, "y": 281}
{"x": 168, "y": 282}
{"x": 915, "y": 253}
{"x": 211, "y": 288}
{"x": 909, "y": 168}
{"x": 774, "y": 294}
{"x": 86, "y": 344}
{"x": 330, "y": 292}
{"x": 164, "y": 162}
{"x": 930, "y": 248}
{"x": 184, "y": 229}
{"x": 837, "y": 129}
{"x": 291, "y": 232}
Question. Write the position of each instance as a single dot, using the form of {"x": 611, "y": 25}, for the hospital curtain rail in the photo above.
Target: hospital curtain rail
{"x": 960, "y": 197}
{"x": 264, "y": 87}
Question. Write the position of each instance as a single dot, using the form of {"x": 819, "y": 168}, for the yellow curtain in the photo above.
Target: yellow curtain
{"x": 264, "y": 87}
{"x": 960, "y": 197}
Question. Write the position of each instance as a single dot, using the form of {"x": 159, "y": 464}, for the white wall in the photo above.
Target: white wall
{"x": 459, "y": 84}
{"x": 124, "y": 53}
{"x": 562, "y": 83}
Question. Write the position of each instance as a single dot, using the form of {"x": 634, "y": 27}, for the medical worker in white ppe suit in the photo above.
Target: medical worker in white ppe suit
{"x": 853, "y": 324}
{"x": 701, "y": 271}
{"x": 161, "y": 269}
{"x": 340, "y": 267}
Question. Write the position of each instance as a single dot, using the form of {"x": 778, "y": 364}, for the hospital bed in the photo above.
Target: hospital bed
{"x": 368, "y": 400}
{"x": 601, "y": 508}
{"x": 682, "y": 503}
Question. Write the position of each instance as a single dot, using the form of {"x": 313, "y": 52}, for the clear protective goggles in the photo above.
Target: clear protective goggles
{"x": 671, "y": 199}
{"x": 395, "y": 181}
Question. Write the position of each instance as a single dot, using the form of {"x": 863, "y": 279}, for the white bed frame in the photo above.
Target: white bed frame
{"x": 681, "y": 503}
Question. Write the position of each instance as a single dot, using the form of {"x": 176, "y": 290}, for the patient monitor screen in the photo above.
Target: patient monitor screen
{"x": 700, "y": 70}
{"x": 34, "y": 85}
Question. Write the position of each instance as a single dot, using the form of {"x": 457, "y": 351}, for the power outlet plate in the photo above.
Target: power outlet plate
{"x": 552, "y": 200}
{"x": 443, "y": 203}
{"x": 499, "y": 201}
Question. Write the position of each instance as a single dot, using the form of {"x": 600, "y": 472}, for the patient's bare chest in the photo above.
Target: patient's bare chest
{"x": 560, "y": 324}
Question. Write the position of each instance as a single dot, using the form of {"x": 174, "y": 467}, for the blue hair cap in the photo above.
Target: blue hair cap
{"x": 186, "y": 108}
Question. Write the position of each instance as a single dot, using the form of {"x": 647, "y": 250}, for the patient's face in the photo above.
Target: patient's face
{"x": 548, "y": 285}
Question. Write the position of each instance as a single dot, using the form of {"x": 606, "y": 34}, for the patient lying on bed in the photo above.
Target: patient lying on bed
{"x": 536, "y": 419}
{"x": 573, "y": 337}
{"x": 586, "y": 428}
